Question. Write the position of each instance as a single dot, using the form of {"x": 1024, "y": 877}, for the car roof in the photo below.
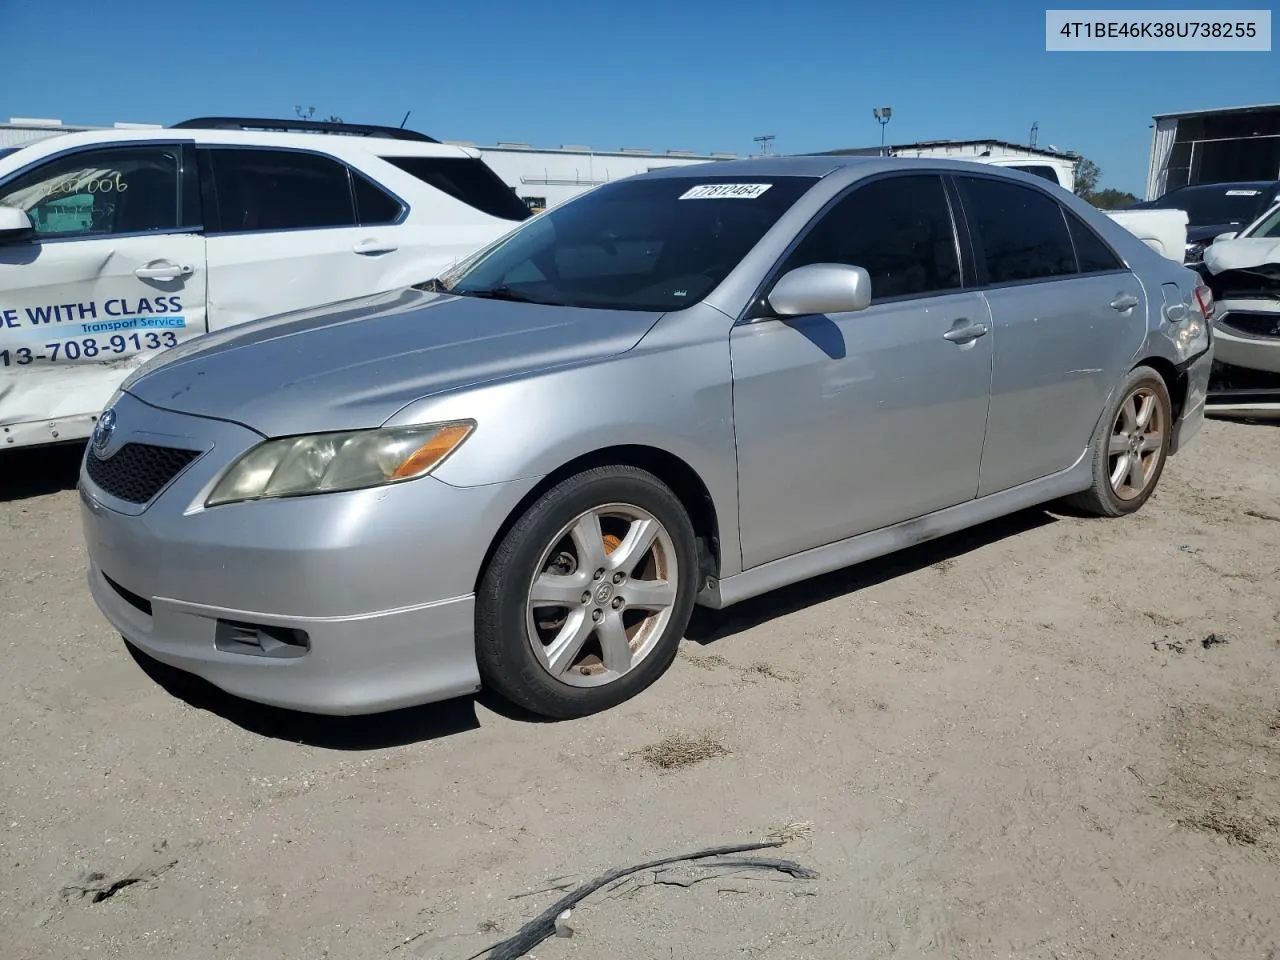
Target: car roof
{"x": 818, "y": 166}
{"x": 1226, "y": 185}
{"x": 335, "y": 144}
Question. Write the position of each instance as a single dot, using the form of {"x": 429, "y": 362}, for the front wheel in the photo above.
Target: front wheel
{"x": 1130, "y": 447}
{"x": 588, "y": 595}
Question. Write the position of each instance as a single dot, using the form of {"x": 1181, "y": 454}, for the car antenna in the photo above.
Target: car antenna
{"x": 406, "y": 118}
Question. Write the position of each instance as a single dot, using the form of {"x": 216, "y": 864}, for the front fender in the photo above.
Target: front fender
{"x": 672, "y": 392}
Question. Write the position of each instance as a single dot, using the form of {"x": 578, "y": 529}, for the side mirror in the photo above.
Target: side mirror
{"x": 14, "y": 224}
{"x": 821, "y": 288}
{"x": 1224, "y": 236}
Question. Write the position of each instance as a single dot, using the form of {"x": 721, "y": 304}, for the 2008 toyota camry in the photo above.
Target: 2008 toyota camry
{"x": 691, "y": 386}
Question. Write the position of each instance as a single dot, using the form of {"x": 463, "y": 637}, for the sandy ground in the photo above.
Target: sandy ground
{"x": 1011, "y": 743}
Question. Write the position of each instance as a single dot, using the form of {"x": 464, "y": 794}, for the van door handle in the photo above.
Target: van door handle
{"x": 373, "y": 246}
{"x": 965, "y": 334}
{"x": 1125, "y": 301}
{"x": 163, "y": 270}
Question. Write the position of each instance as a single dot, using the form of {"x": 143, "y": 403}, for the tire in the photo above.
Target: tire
{"x": 525, "y": 645}
{"x": 1115, "y": 491}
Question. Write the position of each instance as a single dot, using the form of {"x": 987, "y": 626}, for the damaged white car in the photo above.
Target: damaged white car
{"x": 1243, "y": 271}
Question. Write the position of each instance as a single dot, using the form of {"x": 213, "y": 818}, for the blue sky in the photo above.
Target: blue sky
{"x": 705, "y": 75}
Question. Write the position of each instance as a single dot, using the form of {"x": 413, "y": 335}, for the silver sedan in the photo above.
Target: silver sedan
{"x": 691, "y": 386}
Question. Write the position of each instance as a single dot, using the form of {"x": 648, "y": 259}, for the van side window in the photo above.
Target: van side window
{"x": 1039, "y": 170}
{"x": 263, "y": 190}
{"x": 467, "y": 179}
{"x": 898, "y": 229}
{"x": 1019, "y": 232}
{"x": 100, "y": 193}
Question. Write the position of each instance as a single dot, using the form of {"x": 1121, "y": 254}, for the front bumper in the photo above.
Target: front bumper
{"x": 378, "y": 583}
{"x": 1239, "y": 347}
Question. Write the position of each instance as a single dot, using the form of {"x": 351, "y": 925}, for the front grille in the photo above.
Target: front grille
{"x": 1253, "y": 324}
{"x": 138, "y": 471}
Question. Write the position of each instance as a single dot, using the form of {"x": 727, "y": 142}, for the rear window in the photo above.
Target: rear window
{"x": 466, "y": 179}
{"x": 1038, "y": 170}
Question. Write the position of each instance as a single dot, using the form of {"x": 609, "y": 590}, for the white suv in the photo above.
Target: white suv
{"x": 115, "y": 244}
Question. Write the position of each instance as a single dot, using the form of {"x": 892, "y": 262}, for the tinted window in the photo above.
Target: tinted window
{"x": 1093, "y": 254}
{"x": 100, "y": 192}
{"x": 468, "y": 180}
{"x": 1019, "y": 232}
{"x": 635, "y": 244}
{"x": 373, "y": 204}
{"x": 899, "y": 230}
{"x": 279, "y": 190}
{"x": 1039, "y": 170}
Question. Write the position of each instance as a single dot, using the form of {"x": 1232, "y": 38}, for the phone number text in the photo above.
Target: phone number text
{"x": 89, "y": 348}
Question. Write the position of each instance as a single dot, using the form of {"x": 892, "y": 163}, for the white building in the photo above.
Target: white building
{"x": 22, "y": 130}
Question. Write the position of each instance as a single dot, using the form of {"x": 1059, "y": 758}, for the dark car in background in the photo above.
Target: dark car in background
{"x": 1215, "y": 208}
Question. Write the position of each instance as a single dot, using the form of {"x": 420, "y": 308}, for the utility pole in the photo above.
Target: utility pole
{"x": 883, "y": 116}
{"x": 764, "y": 143}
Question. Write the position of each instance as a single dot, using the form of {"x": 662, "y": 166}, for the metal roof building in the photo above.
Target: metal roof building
{"x": 1214, "y": 146}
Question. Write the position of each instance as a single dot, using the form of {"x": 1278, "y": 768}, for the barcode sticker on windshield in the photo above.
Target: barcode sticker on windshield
{"x": 717, "y": 191}
{"x": 1243, "y": 193}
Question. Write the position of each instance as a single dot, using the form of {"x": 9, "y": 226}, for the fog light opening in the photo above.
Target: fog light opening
{"x": 260, "y": 640}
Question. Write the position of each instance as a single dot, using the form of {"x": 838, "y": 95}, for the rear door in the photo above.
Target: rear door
{"x": 1067, "y": 316}
{"x": 113, "y": 273}
{"x": 292, "y": 229}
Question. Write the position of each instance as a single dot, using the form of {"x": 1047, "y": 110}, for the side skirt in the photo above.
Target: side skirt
{"x": 718, "y": 594}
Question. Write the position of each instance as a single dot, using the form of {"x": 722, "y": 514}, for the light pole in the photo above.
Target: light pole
{"x": 882, "y": 115}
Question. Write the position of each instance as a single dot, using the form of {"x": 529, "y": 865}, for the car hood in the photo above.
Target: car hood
{"x": 353, "y": 365}
{"x": 1196, "y": 234}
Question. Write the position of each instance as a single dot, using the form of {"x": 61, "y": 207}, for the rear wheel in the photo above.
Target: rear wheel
{"x": 588, "y": 595}
{"x": 1130, "y": 447}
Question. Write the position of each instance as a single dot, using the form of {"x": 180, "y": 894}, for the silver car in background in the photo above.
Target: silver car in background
{"x": 691, "y": 386}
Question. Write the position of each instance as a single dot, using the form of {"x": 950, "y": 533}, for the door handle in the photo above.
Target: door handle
{"x": 967, "y": 333}
{"x": 372, "y": 246}
{"x": 1123, "y": 302}
{"x": 163, "y": 270}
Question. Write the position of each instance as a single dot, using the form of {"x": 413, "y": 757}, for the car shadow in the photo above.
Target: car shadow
{"x": 451, "y": 717}
{"x": 394, "y": 728}
{"x": 39, "y": 471}
{"x": 707, "y": 625}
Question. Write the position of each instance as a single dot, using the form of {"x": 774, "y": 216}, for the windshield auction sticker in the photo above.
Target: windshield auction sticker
{"x": 723, "y": 191}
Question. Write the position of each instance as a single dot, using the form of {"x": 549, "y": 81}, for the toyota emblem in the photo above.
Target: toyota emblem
{"x": 102, "y": 431}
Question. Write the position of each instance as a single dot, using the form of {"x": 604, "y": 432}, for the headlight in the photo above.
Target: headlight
{"x": 329, "y": 462}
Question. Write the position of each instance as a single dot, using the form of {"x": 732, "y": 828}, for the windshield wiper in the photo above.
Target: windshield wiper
{"x": 502, "y": 292}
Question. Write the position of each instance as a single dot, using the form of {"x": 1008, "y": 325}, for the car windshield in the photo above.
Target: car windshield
{"x": 648, "y": 244}
{"x": 1269, "y": 226}
{"x": 1225, "y": 203}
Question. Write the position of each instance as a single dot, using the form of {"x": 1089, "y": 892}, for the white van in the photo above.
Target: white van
{"x": 116, "y": 244}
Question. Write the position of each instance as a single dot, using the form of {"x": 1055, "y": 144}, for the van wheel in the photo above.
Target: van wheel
{"x": 588, "y": 595}
{"x": 1130, "y": 447}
